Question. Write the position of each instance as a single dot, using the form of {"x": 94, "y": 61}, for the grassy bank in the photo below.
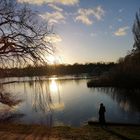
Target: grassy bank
{"x": 93, "y": 132}
{"x": 114, "y": 81}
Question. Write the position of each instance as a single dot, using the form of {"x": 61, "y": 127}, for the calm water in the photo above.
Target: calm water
{"x": 58, "y": 101}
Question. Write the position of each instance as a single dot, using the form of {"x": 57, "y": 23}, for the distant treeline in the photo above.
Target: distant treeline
{"x": 61, "y": 69}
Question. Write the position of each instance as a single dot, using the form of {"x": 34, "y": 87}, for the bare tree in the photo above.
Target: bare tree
{"x": 22, "y": 35}
{"x": 136, "y": 32}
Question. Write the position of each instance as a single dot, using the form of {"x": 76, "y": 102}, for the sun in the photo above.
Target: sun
{"x": 54, "y": 59}
{"x": 51, "y": 59}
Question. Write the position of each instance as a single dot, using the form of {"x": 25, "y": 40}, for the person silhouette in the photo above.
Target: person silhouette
{"x": 102, "y": 111}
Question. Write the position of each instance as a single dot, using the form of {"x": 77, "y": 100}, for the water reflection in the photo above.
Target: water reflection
{"x": 68, "y": 101}
{"x": 55, "y": 92}
{"x": 128, "y": 99}
{"x": 53, "y": 86}
{"x": 9, "y": 104}
{"x": 45, "y": 98}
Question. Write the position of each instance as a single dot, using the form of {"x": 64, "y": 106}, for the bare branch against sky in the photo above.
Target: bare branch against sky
{"x": 22, "y": 35}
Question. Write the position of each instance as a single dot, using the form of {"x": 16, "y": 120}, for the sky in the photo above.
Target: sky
{"x": 89, "y": 30}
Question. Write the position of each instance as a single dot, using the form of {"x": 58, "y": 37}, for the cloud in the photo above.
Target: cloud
{"x": 84, "y": 19}
{"x": 110, "y": 27}
{"x": 84, "y": 15}
{"x": 121, "y": 31}
{"x": 53, "y": 38}
{"x": 55, "y": 7}
{"x": 93, "y": 34}
{"x": 121, "y": 10}
{"x": 40, "y": 2}
{"x": 37, "y": 2}
{"x": 98, "y": 12}
{"x": 120, "y": 19}
{"x": 66, "y": 2}
{"x": 54, "y": 17}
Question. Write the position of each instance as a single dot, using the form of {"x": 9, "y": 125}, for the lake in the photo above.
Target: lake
{"x": 68, "y": 101}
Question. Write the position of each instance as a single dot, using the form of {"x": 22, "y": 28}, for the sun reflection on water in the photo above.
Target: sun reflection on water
{"x": 53, "y": 86}
{"x": 55, "y": 93}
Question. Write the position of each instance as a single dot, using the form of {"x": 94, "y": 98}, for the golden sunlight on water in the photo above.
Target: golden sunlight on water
{"x": 57, "y": 106}
{"x": 54, "y": 90}
{"x": 53, "y": 86}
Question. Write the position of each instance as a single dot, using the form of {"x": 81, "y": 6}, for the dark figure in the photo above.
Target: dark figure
{"x": 102, "y": 115}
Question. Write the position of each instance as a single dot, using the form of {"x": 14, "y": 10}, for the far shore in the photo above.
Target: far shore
{"x": 99, "y": 82}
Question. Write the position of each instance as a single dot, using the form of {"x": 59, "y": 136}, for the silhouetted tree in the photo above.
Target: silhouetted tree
{"x": 136, "y": 32}
{"x": 22, "y": 35}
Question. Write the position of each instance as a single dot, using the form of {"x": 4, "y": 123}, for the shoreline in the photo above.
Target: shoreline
{"x": 11, "y": 131}
{"x": 114, "y": 123}
{"x": 108, "y": 84}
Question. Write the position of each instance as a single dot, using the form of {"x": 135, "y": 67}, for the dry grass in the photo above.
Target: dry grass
{"x": 37, "y": 132}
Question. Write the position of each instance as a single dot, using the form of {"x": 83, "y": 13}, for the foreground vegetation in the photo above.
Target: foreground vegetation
{"x": 30, "y": 132}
